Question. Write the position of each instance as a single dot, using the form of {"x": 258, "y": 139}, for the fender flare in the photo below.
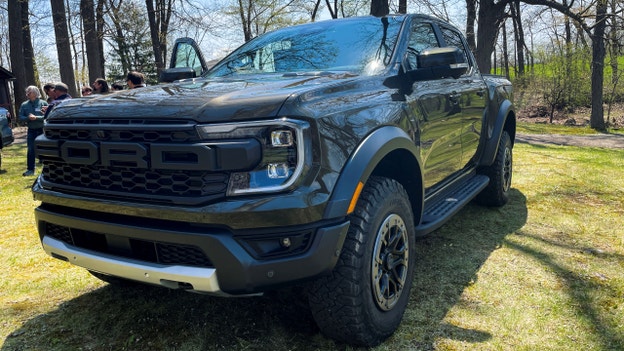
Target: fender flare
{"x": 363, "y": 161}
{"x": 491, "y": 144}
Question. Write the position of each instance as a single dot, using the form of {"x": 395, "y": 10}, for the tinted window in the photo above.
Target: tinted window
{"x": 361, "y": 46}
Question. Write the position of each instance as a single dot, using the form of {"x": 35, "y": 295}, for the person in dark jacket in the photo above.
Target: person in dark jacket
{"x": 31, "y": 113}
{"x": 135, "y": 80}
{"x": 59, "y": 93}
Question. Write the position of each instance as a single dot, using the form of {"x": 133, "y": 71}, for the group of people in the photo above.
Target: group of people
{"x": 134, "y": 79}
{"x": 35, "y": 110}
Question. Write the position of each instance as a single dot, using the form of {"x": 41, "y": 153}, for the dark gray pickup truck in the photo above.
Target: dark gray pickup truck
{"x": 313, "y": 155}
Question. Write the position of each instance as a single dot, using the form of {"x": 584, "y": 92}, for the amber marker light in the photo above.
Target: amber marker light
{"x": 354, "y": 198}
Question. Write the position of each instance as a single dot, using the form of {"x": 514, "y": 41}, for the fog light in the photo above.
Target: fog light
{"x": 281, "y": 138}
{"x": 277, "y": 170}
{"x": 286, "y": 242}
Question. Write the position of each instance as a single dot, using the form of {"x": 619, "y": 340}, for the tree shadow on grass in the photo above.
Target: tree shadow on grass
{"x": 154, "y": 318}
{"x": 449, "y": 260}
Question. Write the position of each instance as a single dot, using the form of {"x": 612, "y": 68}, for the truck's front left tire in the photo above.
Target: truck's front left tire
{"x": 362, "y": 302}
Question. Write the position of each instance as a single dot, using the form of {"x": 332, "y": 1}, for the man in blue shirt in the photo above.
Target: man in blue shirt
{"x": 31, "y": 113}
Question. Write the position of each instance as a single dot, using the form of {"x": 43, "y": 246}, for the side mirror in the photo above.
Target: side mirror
{"x": 442, "y": 63}
{"x": 172, "y": 74}
{"x": 434, "y": 63}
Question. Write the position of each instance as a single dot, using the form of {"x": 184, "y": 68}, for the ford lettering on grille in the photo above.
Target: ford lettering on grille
{"x": 198, "y": 156}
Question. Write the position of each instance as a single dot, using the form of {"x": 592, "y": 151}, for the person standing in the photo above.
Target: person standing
{"x": 87, "y": 90}
{"x": 31, "y": 112}
{"x": 100, "y": 86}
{"x": 59, "y": 93}
{"x": 135, "y": 80}
{"x": 46, "y": 89}
{"x": 117, "y": 86}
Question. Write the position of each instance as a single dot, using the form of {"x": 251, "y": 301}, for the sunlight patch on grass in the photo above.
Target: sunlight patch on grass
{"x": 544, "y": 272}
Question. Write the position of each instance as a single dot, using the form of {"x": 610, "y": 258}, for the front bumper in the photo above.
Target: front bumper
{"x": 231, "y": 269}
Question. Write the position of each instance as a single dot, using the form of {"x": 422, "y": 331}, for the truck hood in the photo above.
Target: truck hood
{"x": 203, "y": 100}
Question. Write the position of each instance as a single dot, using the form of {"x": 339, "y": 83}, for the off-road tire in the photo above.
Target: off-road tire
{"x": 500, "y": 172}
{"x": 354, "y": 304}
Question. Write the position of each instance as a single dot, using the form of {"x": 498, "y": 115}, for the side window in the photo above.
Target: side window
{"x": 421, "y": 38}
{"x": 452, "y": 38}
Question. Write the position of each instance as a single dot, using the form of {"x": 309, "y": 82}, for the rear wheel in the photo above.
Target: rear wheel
{"x": 496, "y": 193}
{"x": 362, "y": 302}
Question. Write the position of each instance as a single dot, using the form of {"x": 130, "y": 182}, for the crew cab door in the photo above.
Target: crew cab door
{"x": 472, "y": 95}
{"x": 187, "y": 61}
{"x": 435, "y": 105}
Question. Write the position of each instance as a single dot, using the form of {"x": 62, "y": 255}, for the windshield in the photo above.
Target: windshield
{"x": 359, "y": 45}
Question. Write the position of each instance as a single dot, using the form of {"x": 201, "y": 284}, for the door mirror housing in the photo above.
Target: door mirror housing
{"x": 436, "y": 63}
{"x": 187, "y": 61}
{"x": 433, "y": 63}
{"x": 172, "y": 74}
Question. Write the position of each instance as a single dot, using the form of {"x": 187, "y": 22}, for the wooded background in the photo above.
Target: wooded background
{"x": 568, "y": 50}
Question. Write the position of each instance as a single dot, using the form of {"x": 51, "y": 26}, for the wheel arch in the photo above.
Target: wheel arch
{"x": 505, "y": 121}
{"x": 388, "y": 152}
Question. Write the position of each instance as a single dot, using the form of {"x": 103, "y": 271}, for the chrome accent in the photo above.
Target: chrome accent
{"x": 202, "y": 280}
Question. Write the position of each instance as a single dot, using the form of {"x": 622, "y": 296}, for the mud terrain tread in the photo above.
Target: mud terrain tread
{"x": 494, "y": 194}
{"x": 338, "y": 301}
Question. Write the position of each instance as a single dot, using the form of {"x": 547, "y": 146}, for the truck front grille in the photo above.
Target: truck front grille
{"x": 151, "y": 184}
{"x": 142, "y": 250}
{"x": 135, "y": 179}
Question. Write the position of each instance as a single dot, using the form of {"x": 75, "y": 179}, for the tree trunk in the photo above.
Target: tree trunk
{"x": 402, "y": 6}
{"x": 159, "y": 18}
{"x": 94, "y": 56}
{"x": 30, "y": 66}
{"x": 489, "y": 20}
{"x": 379, "y": 8}
{"x": 471, "y": 17}
{"x": 597, "y": 67}
{"x": 154, "y": 32}
{"x": 99, "y": 20}
{"x": 614, "y": 44}
{"x": 505, "y": 52}
{"x": 62, "y": 45}
{"x": 333, "y": 11}
{"x": 519, "y": 36}
{"x": 17, "y": 52}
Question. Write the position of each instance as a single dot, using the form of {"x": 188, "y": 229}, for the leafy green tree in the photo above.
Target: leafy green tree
{"x": 129, "y": 39}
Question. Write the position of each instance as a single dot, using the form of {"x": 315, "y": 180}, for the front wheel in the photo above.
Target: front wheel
{"x": 362, "y": 302}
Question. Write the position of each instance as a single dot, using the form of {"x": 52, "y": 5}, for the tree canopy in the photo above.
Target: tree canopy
{"x": 77, "y": 41}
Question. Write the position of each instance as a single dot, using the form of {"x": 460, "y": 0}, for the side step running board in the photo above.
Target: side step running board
{"x": 439, "y": 210}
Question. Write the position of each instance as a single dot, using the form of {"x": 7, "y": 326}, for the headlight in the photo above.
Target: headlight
{"x": 283, "y": 153}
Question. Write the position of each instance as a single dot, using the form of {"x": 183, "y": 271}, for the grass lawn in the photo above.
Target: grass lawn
{"x": 545, "y": 272}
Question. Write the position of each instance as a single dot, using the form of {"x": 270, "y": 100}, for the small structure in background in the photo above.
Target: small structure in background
{"x": 5, "y": 95}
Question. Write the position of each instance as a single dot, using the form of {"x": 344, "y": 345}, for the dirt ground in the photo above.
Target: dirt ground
{"x": 580, "y": 117}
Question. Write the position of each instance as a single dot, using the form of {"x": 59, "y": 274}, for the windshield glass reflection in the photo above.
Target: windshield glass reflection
{"x": 360, "y": 46}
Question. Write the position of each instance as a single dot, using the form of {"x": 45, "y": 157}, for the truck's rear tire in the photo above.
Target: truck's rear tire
{"x": 362, "y": 302}
{"x": 496, "y": 193}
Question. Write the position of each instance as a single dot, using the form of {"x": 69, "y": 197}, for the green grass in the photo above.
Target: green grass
{"x": 544, "y": 272}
